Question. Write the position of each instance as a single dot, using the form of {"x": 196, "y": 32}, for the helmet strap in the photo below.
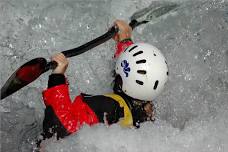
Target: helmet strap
{"x": 117, "y": 88}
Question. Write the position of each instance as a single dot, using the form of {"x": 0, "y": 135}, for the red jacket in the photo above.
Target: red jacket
{"x": 72, "y": 115}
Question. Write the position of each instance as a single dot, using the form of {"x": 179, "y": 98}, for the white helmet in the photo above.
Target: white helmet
{"x": 143, "y": 70}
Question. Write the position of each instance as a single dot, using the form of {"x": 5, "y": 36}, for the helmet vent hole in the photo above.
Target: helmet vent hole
{"x": 141, "y": 71}
{"x": 139, "y": 82}
{"x": 155, "y": 54}
{"x": 137, "y": 53}
{"x": 167, "y": 72}
{"x": 132, "y": 48}
{"x": 141, "y": 61}
{"x": 156, "y": 84}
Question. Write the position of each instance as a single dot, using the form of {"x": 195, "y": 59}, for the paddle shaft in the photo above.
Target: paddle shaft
{"x": 31, "y": 70}
{"x": 89, "y": 45}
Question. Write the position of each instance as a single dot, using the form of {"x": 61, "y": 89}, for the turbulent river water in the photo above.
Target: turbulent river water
{"x": 192, "y": 111}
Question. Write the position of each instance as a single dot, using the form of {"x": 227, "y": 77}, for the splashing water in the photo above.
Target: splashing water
{"x": 192, "y": 110}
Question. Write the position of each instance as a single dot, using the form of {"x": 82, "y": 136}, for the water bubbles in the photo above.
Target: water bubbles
{"x": 197, "y": 90}
{"x": 181, "y": 88}
{"x": 196, "y": 34}
{"x": 207, "y": 55}
{"x": 53, "y": 41}
{"x": 15, "y": 57}
{"x": 87, "y": 81}
{"x": 188, "y": 77}
{"x": 196, "y": 57}
{"x": 10, "y": 46}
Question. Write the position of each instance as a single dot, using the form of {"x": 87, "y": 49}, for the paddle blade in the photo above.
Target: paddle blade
{"x": 26, "y": 74}
{"x": 154, "y": 11}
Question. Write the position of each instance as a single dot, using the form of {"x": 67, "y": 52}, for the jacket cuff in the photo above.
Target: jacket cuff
{"x": 56, "y": 79}
{"x": 121, "y": 46}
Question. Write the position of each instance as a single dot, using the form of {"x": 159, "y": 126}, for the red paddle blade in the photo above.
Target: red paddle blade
{"x": 26, "y": 74}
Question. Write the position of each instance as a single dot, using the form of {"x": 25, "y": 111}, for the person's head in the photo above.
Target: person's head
{"x": 141, "y": 72}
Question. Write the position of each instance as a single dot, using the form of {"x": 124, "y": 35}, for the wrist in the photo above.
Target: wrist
{"x": 56, "y": 72}
{"x": 123, "y": 37}
{"x": 59, "y": 70}
{"x": 125, "y": 40}
{"x": 121, "y": 46}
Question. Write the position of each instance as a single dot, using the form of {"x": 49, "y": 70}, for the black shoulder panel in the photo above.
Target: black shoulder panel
{"x": 104, "y": 107}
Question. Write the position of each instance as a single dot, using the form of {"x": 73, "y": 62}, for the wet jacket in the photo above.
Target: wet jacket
{"x": 62, "y": 116}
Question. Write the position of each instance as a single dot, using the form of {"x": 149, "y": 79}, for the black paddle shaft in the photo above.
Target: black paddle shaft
{"x": 105, "y": 37}
{"x": 85, "y": 47}
{"x": 31, "y": 70}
